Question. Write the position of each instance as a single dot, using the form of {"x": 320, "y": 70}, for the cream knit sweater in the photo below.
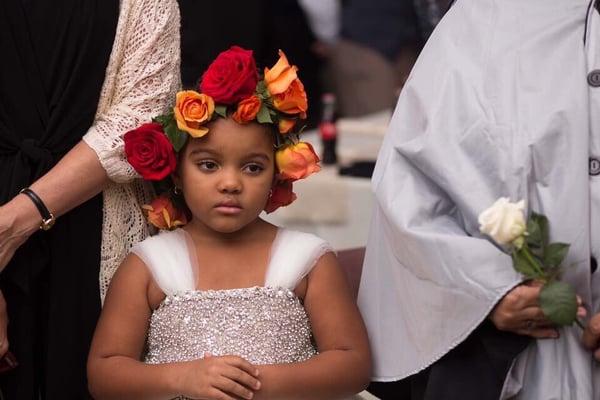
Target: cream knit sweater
{"x": 141, "y": 80}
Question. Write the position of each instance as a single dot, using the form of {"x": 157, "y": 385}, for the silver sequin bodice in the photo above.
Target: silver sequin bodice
{"x": 263, "y": 325}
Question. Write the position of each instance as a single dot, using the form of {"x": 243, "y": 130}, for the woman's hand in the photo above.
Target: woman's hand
{"x": 519, "y": 312}
{"x": 18, "y": 220}
{"x": 591, "y": 336}
{"x": 219, "y": 378}
{"x": 3, "y": 326}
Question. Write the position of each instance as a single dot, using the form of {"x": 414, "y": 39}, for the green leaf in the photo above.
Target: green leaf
{"x": 559, "y": 303}
{"x": 537, "y": 228}
{"x": 523, "y": 265}
{"x": 175, "y": 135}
{"x": 534, "y": 234}
{"x": 164, "y": 120}
{"x": 555, "y": 254}
{"x": 261, "y": 89}
{"x": 263, "y": 116}
{"x": 221, "y": 110}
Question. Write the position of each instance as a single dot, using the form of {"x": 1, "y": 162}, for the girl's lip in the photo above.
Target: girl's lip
{"x": 228, "y": 209}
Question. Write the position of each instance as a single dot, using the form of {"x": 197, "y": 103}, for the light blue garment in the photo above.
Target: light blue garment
{"x": 497, "y": 104}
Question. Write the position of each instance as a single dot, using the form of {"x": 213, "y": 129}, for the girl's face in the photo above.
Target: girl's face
{"x": 227, "y": 174}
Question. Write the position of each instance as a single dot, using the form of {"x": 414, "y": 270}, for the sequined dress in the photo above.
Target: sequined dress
{"x": 265, "y": 325}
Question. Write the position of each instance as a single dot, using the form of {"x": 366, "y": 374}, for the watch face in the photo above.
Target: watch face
{"x": 47, "y": 223}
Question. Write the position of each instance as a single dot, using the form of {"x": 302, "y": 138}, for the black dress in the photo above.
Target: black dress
{"x": 54, "y": 57}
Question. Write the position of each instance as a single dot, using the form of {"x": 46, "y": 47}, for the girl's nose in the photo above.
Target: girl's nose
{"x": 230, "y": 183}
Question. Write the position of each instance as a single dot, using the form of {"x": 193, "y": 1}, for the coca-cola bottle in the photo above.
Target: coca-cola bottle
{"x": 328, "y": 129}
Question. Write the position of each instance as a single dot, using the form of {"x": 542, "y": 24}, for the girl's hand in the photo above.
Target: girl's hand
{"x": 18, "y": 220}
{"x": 591, "y": 336}
{"x": 519, "y": 312}
{"x": 3, "y": 326}
{"x": 219, "y": 378}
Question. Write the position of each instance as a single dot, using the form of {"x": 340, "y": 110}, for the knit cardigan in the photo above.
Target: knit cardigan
{"x": 142, "y": 78}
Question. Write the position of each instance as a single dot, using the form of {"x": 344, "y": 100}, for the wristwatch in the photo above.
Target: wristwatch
{"x": 48, "y": 218}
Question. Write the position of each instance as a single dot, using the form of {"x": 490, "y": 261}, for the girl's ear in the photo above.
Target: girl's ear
{"x": 176, "y": 178}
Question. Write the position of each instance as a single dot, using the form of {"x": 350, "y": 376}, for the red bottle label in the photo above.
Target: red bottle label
{"x": 327, "y": 130}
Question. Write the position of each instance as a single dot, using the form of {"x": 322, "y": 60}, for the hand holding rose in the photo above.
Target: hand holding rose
{"x": 519, "y": 312}
{"x": 537, "y": 260}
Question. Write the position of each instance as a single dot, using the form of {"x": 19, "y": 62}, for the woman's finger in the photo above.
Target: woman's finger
{"x": 534, "y": 283}
{"x": 534, "y": 314}
{"x": 591, "y": 334}
{"x": 3, "y": 326}
{"x": 540, "y": 332}
{"x": 528, "y": 296}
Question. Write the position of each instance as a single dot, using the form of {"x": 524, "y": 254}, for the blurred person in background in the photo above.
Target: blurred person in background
{"x": 324, "y": 20}
{"x": 429, "y": 13}
{"x": 378, "y": 44}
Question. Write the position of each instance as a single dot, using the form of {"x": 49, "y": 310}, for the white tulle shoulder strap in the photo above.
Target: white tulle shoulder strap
{"x": 293, "y": 255}
{"x": 169, "y": 257}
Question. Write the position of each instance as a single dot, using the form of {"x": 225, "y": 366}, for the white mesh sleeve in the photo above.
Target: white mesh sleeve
{"x": 141, "y": 79}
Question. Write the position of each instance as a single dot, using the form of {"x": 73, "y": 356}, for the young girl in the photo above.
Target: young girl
{"x": 229, "y": 306}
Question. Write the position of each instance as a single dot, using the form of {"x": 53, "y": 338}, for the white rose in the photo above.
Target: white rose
{"x": 503, "y": 221}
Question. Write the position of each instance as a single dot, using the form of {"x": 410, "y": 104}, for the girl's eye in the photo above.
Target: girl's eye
{"x": 208, "y": 165}
{"x": 254, "y": 168}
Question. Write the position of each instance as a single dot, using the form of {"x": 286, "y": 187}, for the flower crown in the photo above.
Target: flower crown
{"x": 231, "y": 86}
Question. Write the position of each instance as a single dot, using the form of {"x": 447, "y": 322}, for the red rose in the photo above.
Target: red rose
{"x": 150, "y": 152}
{"x": 282, "y": 194}
{"x": 231, "y": 77}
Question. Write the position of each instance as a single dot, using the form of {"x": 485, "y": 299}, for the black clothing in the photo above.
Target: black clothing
{"x": 474, "y": 370}
{"x": 208, "y": 28}
{"x": 54, "y": 58}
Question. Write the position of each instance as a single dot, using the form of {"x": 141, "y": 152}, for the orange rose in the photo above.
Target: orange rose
{"x": 282, "y": 194}
{"x": 247, "y": 110}
{"x": 281, "y": 76}
{"x": 293, "y": 100}
{"x": 287, "y": 91}
{"x": 162, "y": 214}
{"x": 286, "y": 125}
{"x": 193, "y": 109}
{"x": 297, "y": 161}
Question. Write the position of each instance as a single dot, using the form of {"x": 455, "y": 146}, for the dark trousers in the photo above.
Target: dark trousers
{"x": 474, "y": 370}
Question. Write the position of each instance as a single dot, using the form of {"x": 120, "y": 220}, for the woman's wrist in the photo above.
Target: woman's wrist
{"x": 23, "y": 216}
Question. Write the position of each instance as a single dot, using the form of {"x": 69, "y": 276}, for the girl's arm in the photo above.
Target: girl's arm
{"x": 114, "y": 369}
{"x": 343, "y": 365}
{"x": 114, "y": 366}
